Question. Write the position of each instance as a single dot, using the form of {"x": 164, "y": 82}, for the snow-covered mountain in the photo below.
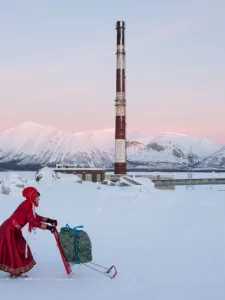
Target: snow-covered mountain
{"x": 171, "y": 149}
{"x": 31, "y": 143}
{"x": 217, "y": 160}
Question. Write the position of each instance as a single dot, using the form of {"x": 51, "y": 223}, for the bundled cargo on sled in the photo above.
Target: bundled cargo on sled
{"x": 75, "y": 248}
{"x": 76, "y": 245}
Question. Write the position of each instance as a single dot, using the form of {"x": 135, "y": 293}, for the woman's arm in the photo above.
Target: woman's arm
{"x": 46, "y": 220}
{"x": 35, "y": 222}
{"x": 41, "y": 219}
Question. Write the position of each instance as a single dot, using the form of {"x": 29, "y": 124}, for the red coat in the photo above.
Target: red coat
{"x": 24, "y": 214}
{"x": 13, "y": 255}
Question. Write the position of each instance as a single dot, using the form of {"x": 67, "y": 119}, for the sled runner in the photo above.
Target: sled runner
{"x": 81, "y": 257}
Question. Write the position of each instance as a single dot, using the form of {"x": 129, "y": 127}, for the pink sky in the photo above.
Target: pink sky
{"x": 56, "y": 72}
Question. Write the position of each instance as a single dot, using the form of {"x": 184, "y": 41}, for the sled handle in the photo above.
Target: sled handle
{"x": 66, "y": 265}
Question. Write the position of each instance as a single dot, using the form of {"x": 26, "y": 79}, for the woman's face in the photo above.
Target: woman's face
{"x": 37, "y": 199}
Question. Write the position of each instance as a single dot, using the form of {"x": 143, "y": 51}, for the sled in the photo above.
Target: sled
{"x": 110, "y": 272}
{"x": 66, "y": 264}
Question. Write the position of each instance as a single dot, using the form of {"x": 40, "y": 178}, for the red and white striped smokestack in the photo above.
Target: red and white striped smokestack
{"x": 120, "y": 131}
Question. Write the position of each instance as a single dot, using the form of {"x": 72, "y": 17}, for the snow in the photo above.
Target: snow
{"x": 215, "y": 160}
{"x": 12, "y": 184}
{"x": 70, "y": 177}
{"x": 200, "y": 145}
{"x": 32, "y": 143}
{"x": 170, "y": 143}
{"x": 166, "y": 245}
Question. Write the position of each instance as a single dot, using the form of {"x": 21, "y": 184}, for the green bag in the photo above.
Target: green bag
{"x": 76, "y": 245}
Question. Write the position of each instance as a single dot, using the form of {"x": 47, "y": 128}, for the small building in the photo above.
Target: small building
{"x": 85, "y": 172}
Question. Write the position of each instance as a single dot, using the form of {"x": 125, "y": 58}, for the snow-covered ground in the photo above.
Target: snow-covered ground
{"x": 166, "y": 245}
{"x": 29, "y": 175}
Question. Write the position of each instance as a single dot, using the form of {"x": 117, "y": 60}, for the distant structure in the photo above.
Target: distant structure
{"x": 190, "y": 168}
{"x": 120, "y": 126}
{"x": 85, "y": 172}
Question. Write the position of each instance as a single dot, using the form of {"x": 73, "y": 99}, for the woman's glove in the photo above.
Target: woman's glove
{"x": 51, "y": 228}
{"x": 51, "y": 221}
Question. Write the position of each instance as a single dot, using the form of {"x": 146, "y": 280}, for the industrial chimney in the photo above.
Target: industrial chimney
{"x": 120, "y": 130}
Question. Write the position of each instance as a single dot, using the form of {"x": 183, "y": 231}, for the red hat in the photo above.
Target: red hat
{"x": 29, "y": 193}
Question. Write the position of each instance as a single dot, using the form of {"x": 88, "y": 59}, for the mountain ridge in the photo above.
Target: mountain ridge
{"x": 217, "y": 159}
{"x": 33, "y": 143}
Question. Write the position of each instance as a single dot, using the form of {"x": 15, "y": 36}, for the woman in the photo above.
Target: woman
{"x": 15, "y": 254}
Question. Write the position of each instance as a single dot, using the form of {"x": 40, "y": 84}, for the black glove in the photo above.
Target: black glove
{"x": 51, "y": 228}
{"x": 51, "y": 221}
